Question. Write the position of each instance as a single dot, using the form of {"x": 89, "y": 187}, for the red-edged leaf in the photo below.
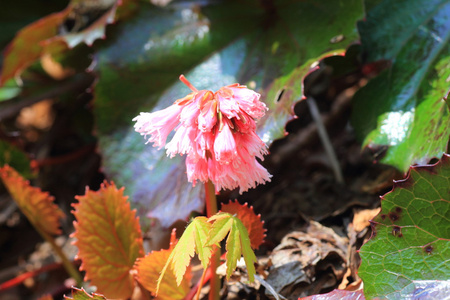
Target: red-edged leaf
{"x": 148, "y": 269}
{"x": 410, "y": 242}
{"x": 36, "y": 205}
{"x": 44, "y": 36}
{"x": 109, "y": 239}
{"x": 192, "y": 241}
{"x": 238, "y": 242}
{"x": 80, "y": 294}
{"x": 26, "y": 46}
{"x": 250, "y": 220}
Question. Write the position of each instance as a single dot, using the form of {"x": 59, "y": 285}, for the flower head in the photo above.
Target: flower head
{"x": 216, "y": 131}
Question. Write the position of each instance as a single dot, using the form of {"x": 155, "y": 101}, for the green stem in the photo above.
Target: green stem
{"x": 211, "y": 210}
{"x": 68, "y": 265}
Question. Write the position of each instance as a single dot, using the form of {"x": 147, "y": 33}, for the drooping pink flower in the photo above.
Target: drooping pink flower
{"x": 216, "y": 132}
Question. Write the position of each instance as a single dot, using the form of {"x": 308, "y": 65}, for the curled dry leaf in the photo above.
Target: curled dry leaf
{"x": 36, "y": 205}
{"x": 109, "y": 239}
{"x": 308, "y": 262}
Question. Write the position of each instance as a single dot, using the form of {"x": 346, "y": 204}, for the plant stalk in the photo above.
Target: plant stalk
{"x": 326, "y": 142}
{"x": 211, "y": 210}
{"x": 68, "y": 265}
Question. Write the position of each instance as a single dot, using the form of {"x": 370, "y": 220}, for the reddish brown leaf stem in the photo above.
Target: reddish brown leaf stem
{"x": 36, "y": 164}
{"x": 22, "y": 277}
{"x": 211, "y": 210}
{"x": 198, "y": 286}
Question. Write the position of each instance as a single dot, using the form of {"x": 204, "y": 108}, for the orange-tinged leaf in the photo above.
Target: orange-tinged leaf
{"x": 109, "y": 240}
{"x": 44, "y": 36}
{"x": 238, "y": 242}
{"x": 35, "y": 204}
{"x": 251, "y": 221}
{"x": 81, "y": 294}
{"x": 148, "y": 269}
{"x": 192, "y": 241}
{"x": 26, "y": 46}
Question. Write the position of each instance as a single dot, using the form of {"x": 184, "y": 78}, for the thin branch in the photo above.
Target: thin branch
{"x": 77, "y": 83}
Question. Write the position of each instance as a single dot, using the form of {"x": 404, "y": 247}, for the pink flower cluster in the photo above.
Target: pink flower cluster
{"x": 216, "y": 131}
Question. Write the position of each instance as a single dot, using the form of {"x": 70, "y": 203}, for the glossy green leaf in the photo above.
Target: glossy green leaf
{"x": 411, "y": 237}
{"x": 270, "y": 47}
{"x": 403, "y": 108}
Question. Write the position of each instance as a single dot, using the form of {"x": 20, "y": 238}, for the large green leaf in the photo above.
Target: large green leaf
{"x": 403, "y": 107}
{"x": 411, "y": 239}
{"x": 269, "y": 47}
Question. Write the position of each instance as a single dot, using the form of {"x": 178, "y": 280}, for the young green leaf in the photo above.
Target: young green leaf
{"x": 192, "y": 241}
{"x": 148, "y": 269}
{"x": 36, "y": 205}
{"x": 238, "y": 242}
{"x": 109, "y": 239}
{"x": 411, "y": 235}
{"x": 251, "y": 221}
{"x": 81, "y": 294}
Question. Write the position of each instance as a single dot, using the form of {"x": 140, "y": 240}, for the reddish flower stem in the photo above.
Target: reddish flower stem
{"x": 22, "y": 277}
{"x": 211, "y": 210}
{"x": 206, "y": 276}
{"x": 187, "y": 83}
